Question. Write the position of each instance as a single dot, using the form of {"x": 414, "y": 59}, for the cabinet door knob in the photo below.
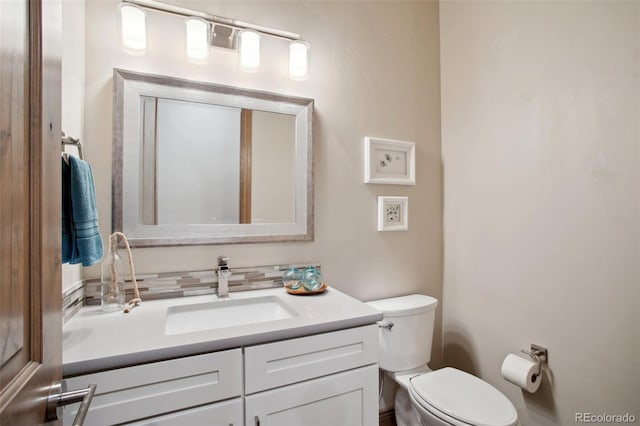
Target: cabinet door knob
{"x": 257, "y": 421}
{"x": 59, "y": 397}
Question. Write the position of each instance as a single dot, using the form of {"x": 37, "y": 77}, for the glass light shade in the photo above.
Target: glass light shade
{"x": 298, "y": 60}
{"x": 133, "y": 29}
{"x": 249, "y": 54}
{"x": 197, "y": 39}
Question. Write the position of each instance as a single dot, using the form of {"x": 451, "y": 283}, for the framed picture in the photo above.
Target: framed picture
{"x": 389, "y": 162}
{"x": 393, "y": 213}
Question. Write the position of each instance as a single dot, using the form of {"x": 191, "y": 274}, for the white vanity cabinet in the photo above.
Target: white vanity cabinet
{"x": 150, "y": 390}
{"x": 327, "y": 379}
{"x": 343, "y": 399}
{"x": 226, "y": 413}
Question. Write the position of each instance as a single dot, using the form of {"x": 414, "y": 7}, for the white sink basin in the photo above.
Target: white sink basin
{"x": 225, "y": 313}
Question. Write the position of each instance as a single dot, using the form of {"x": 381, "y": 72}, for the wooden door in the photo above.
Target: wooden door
{"x": 30, "y": 272}
{"x": 246, "y": 130}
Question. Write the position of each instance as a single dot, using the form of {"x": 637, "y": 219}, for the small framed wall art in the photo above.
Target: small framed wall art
{"x": 393, "y": 213}
{"x": 389, "y": 161}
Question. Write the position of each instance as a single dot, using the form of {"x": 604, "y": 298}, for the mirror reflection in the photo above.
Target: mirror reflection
{"x": 199, "y": 163}
{"x": 228, "y": 165}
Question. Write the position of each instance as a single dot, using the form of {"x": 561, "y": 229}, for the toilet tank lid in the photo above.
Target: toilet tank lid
{"x": 404, "y": 305}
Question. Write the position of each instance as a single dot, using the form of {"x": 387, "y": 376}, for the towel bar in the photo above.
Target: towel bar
{"x": 68, "y": 140}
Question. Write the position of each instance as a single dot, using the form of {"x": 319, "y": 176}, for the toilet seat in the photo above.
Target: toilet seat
{"x": 461, "y": 399}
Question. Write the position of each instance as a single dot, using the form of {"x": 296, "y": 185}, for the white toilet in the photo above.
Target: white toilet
{"x": 425, "y": 397}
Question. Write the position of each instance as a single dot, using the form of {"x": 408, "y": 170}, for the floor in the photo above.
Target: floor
{"x": 388, "y": 418}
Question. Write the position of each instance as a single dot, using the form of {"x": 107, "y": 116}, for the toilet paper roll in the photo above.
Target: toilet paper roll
{"x": 521, "y": 372}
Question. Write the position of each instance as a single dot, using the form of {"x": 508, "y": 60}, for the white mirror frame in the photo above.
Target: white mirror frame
{"x": 128, "y": 87}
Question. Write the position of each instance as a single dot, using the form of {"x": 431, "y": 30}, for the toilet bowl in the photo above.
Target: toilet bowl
{"x": 442, "y": 397}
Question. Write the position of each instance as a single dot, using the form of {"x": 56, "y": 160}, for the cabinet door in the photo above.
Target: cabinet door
{"x": 141, "y": 391}
{"x": 228, "y": 413}
{"x": 343, "y": 399}
{"x": 277, "y": 364}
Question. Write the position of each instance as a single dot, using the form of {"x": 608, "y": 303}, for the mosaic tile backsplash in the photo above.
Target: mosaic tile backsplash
{"x": 72, "y": 300}
{"x": 195, "y": 283}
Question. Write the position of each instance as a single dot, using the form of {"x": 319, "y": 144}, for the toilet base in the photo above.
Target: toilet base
{"x": 407, "y": 415}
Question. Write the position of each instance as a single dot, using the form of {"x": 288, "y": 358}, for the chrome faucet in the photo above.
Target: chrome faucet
{"x": 223, "y": 276}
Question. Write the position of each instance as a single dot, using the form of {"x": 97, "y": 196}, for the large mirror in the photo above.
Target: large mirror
{"x": 200, "y": 163}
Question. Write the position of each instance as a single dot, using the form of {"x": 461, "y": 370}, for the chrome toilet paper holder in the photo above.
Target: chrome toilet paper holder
{"x": 539, "y": 354}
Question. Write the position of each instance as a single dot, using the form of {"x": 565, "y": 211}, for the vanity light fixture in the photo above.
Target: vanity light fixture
{"x": 249, "y": 51}
{"x": 197, "y": 38}
{"x": 204, "y": 30}
{"x": 133, "y": 29}
{"x": 224, "y": 36}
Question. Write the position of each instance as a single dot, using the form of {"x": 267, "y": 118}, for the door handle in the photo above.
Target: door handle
{"x": 59, "y": 397}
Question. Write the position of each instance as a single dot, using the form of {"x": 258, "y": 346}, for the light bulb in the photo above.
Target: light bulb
{"x": 133, "y": 29}
{"x": 197, "y": 44}
{"x": 249, "y": 54}
{"x": 298, "y": 60}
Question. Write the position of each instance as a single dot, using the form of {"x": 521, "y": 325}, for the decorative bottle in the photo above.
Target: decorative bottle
{"x": 112, "y": 283}
{"x": 311, "y": 279}
{"x": 291, "y": 279}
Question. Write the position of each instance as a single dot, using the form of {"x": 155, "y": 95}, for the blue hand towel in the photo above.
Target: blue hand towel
{"x": 87, "y": 241}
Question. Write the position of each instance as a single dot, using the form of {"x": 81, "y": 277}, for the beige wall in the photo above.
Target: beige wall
{"x": 72, "y": 111}
{"x": 540, "y": 142}
{"x": 374, "y": 71}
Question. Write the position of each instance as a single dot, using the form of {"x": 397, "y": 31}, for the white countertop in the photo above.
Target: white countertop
{"x": 93, "y": 340}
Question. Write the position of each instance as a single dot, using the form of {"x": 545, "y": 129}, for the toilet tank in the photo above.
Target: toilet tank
{"x": 407, "y": 344}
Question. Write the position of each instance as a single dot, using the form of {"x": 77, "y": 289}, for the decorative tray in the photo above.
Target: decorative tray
{"x": 304, "y": 292}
